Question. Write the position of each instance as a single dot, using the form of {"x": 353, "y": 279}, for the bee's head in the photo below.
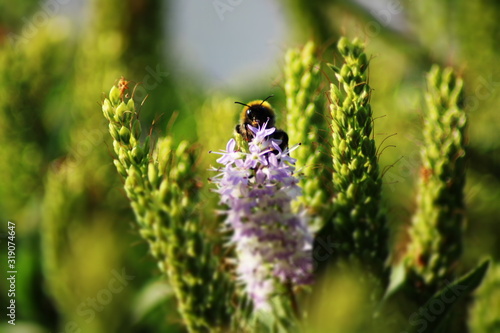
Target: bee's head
{"x": 256, "y": 113}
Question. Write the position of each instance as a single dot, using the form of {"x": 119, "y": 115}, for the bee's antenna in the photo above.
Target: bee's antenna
{"x": 242, "y": 104}
{"x": 266, "y": 99}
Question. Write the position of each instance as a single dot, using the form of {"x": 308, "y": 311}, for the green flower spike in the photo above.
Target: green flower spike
{"x": 436, "y": 231}
{"x": 306, "y": 125}
{"x": 163, "y": 193}
{"x": 359, "y": 225}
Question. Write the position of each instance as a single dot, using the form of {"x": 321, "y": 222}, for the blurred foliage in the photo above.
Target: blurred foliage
{"x": 75, "y": 229}
{"x": 483, "y": 319}
{"x": 306, "y": 114}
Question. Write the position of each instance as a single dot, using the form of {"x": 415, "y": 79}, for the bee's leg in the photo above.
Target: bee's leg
{"x": 244, "y": 132}
{"x": 241, "y": 131}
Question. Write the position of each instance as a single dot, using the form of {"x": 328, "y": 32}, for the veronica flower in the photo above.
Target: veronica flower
{"x": 273, "y": 244}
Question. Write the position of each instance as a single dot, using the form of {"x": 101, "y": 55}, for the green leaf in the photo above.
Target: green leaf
{"x": 428, "y": 317}
{"x": 396, "y": 281}
{"x": 152, "y": 296}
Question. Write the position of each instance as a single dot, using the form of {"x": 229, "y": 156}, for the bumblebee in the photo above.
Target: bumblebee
{"x": 256, "y": 113}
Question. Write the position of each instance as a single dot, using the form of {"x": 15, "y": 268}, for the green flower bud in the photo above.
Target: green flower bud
{"x": 357, "y": 48}
{"x": 107, "y": 109}
{"x": 131, "y": 181}
{"x": 114, "y": 132}
{"x": 124, "y": 135}
{"x": 136, "y": 129}
{"x": 334, "y": 68}
{"x": 335, "y": 92}
{"x": 135, "y": 173}
{"x": 164, "y": 190}
{"x": 131, "y": 105}
{"x": 181, "y": 148}
{"x": 146, "y": 146}
{"x": 137, "y": 154}
{"x": 116, "y": 146}
{"x": 345, "y": 74}
{"x": 120, "y": 112}
{"x": 152, "y": 174}
{"x": 123, "y": 157}
{"x": 119, "y": 167}
{"x": 114, "y": 95}
{"x": 363, "y": 63}
{"x": 343, "y": 46}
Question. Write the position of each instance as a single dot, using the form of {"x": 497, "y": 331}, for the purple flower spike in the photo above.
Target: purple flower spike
{"x": 273, "y": 244}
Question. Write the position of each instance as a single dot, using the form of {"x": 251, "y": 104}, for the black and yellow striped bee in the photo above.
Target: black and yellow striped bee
{"x": 256, "y": 113}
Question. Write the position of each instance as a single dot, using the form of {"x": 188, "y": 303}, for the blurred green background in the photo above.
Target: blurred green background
{"x": 81, "y": 264}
